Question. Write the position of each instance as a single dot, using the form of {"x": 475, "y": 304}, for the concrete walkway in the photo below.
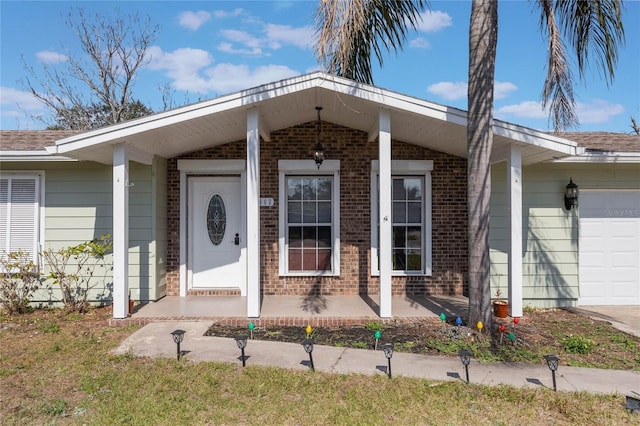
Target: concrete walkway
{"x": 154, "y": 340}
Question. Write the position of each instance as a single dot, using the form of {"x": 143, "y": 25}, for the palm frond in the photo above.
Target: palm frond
{"x": 558, "y": 85}
{"x": 348, "y": 32}
{"x": 593, "y": 26}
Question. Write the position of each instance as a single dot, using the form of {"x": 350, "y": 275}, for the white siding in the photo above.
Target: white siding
{"x": 78, "y": 208}
{"x": 550, "y": 233}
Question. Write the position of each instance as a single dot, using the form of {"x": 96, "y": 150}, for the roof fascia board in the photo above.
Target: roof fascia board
{"x": 39, "y": 155}
{"x": 223, "y": 103}
{"x": 536, "y": 138}
{"x": 609, "y": 157}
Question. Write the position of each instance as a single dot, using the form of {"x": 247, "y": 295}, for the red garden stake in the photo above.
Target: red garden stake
{"x": 503, "y": 328}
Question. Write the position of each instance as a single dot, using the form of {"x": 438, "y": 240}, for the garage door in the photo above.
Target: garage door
{"x": 609, "y": 247}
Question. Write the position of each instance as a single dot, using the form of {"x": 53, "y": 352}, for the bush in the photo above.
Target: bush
{"x": 75, "y": 283}
{"x": 19, "y": 279}
{"x": 577, "y": 345}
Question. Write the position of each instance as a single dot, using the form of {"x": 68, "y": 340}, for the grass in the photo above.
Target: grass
{"x": 69, "y": 377}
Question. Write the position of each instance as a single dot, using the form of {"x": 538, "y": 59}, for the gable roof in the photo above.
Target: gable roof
{"x": 292, "y": 101}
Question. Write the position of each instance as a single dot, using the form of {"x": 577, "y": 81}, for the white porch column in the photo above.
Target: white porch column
{"x": 514, "y": 200}
{"x": 253, "y": 214}
{"x": 120, "y": 232}
{"x": 384, "y": 154}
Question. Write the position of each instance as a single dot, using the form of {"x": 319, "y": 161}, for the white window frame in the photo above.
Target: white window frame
{"x": 308, "y": 168}
{"x": 38, "y": 177}
{"x": 404, "y": 168}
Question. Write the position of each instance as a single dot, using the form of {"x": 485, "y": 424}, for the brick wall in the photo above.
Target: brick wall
{"x": 449, "y": 224}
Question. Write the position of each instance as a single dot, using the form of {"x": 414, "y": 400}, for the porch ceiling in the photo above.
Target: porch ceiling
{"x": 292, "y": 102}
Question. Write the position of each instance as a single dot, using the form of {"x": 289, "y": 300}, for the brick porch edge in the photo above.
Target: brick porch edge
{"x": 279, "y": 321}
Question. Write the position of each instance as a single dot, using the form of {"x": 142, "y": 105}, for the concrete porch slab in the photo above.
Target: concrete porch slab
{"x": 298, "y": 309}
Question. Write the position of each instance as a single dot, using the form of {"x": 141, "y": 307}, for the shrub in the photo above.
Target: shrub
{"x": 19, "y": 279}
{"x": 577, "y": 345}
{"x": 74, "y": 280}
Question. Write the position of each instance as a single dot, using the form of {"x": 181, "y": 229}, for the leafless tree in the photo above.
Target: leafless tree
{"x": 101, "y": 77}
{"x": 634, "y": 126}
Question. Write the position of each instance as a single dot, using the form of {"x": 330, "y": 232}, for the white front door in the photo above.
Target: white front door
{"x": 216, "y": 233}
{"x": 609, "y": 247}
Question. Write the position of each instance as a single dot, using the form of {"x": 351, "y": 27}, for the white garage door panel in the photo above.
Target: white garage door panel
{"x": 609, "y": 247}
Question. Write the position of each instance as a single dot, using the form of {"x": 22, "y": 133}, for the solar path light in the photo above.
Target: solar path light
{"x": 178, "y": 336}
{"x": 465, "y": 357}
{"x": 307, "y": 344}
{"x": 241, "y": 341}
{"x": 388, "y": 353}
{"x": 552, "y": 363}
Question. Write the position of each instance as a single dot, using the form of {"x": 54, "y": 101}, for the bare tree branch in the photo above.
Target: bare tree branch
{"x": 102, "y": 76}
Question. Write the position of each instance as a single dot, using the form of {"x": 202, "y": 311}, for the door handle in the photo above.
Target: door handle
{"x": 236, "y": 240}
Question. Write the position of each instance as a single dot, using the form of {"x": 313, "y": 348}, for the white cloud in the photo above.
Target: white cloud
{"x": 51, "y": 57}
{"x": 433, "y": 20}
{"x": 191, "y": 70}
{"x": 301, "y": 37}
{"x": 501, "y": 89}
{"x": 458, "y": 90}
{"x": 194, "y": 20}
{"x": 420, "y": 43}
{"x": 525, "y": 109}
{"x": 220, "y": 14}
{"x": 226, "y": 78}
{"x": 182, "y": 65}
{"x": 242, "y": 37}
{"x": 228, "y": 48}
{"x": 594, "y": 112}
{"x": 597, "y": 111}
{"x": 449, "y": 91}
{"x": 274, "y": 37}
{"x": 18, "y": 98}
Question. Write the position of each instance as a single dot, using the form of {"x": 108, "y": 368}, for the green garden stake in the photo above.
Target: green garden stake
{"x": 251, "y": 327}
{"x": 377, "y": 335}
{"x": 512, "y": 337}
{"x": 443, "y": 318}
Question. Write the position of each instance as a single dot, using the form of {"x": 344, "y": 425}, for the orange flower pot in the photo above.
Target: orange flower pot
{"x": 500, "y": 308}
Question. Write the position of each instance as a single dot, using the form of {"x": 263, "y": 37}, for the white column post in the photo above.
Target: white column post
{"x": 120, "y": 232}
{"x": 514, "y": 200}
{"x": 384, "y": 254}
{"x": 253, "y": 214}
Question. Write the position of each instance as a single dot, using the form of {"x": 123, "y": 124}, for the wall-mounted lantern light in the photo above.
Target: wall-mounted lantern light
{"x": 571, "y": 195}
{"x": 318, "y": 152}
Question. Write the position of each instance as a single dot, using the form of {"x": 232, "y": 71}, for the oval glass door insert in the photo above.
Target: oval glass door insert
{"x": 216, "y": 219}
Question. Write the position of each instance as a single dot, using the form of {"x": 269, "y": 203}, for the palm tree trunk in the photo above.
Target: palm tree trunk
{"x": 483, "y": 36}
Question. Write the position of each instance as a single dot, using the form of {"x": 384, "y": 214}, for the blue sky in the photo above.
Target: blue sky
{"x": 207, "y": 49}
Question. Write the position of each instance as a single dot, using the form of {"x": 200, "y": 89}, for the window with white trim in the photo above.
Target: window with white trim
{"x": 411, "y": 217}
{"x": 309, "y": 218}
{"x": 20, "y": 214}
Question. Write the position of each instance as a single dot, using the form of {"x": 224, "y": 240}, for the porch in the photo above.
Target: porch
{"x": 297, "y": 310}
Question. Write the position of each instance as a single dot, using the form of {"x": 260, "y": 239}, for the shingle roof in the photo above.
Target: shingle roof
{"x": 31, "y": 140}
{"x": 605, "y": 141}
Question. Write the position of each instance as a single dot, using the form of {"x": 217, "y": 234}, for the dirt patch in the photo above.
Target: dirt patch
{"x": 577, "y": 339}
